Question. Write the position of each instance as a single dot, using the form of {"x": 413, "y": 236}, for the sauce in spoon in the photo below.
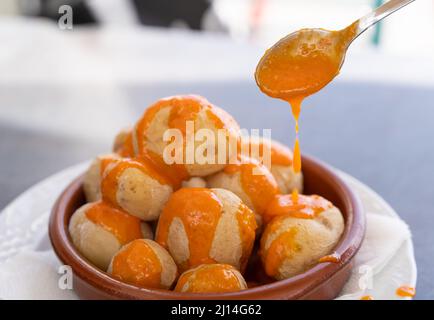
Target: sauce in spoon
{"x": 301, "y": 64}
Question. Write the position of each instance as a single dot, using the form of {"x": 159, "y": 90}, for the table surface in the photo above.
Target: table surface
{"x": 382, "y": 134}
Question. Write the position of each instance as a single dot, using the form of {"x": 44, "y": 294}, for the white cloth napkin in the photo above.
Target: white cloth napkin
{"x": 384, "y": 262}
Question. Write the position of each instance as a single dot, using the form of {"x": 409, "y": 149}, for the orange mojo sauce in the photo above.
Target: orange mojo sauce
{"x": 406, "y": 291}
{"x": 110, "y": 179}
{"x": 247, "y": 226}
{"x": 260, "y": 187}
{"x": 199, "y": 209}
{"x": 296, "y": 205}
{"x": 333, "y": 258}
{"x": 122, "y": 225}
{"x": 138, "y": 264}
{"x": 282, "y": 247}
{"x": 210, "y": 278}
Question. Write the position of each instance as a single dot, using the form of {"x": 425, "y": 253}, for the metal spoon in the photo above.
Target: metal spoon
{"x": 379, "y": 14}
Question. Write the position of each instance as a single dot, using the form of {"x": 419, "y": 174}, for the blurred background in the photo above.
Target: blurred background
{"x": 72, "y": 73}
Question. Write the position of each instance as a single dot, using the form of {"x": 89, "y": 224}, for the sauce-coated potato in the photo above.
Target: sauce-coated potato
{"x": 211, "y": 278}
{"x": 200, "y": 226}
{"x": 144, "y": 263}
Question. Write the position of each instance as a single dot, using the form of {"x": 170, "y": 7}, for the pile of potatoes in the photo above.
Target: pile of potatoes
{"x": 196, "y": 227}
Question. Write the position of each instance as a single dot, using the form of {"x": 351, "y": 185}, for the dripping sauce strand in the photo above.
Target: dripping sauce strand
{"x": 295, "y": 104}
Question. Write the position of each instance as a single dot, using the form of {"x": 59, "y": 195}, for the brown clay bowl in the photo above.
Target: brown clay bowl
{"x": 323, "y": 281}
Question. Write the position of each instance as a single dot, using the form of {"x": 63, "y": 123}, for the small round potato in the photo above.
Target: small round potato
{"x": 135, "y": 187}
{"x": 295, "y": 241}
{"x": 167, "y": 126}
{"x": 98, "y": 231}
{"x": 278, "y": 159}
{"x": 144, "y": 263}
{"x": 211, "y": 278}
{"x": 200, "y": 226}
{"x": 92, "y": 178}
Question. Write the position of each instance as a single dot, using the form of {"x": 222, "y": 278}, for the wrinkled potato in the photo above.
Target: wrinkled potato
{"x": 144, "y": 263}
{"x": 290, "y": 244}
{"x": 211, "y": 278}
{"x": 201, "y": 226}
{"x": 136, "y": 188}
{"x": 175, "y": 113}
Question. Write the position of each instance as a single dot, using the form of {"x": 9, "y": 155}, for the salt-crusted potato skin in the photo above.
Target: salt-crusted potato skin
{"x": 211, "y": 278}
{"x": 98, "y": 242}
{"x": 136, "y": 188}
{"x": 174, "y": 113}
{"x": 202, "y": 226}
{"x": 249, "y": 180}
{"x": 291, "y": 245}
{"x": 144, "y": 263}
{"x": 194, "y": 182}
{"x": 92, "y": 177}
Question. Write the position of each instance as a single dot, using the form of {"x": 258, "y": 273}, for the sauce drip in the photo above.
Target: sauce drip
{"x": 210, "y": 278}
{"x": 297, "y": 206}
{"x": 301, "y": 64}
{"x": 295, "y": 104}
{"x": 122, "y": 225}
{"x": 199, "y": 209}
{"x": 406, "y": 291}
{"x": 333, "y": 258}
{"x": 138, "y": 264}
{"x": 368, "y": 297}
{"x": 257, "y": 182}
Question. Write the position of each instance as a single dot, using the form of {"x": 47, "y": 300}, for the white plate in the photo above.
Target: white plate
{"x": 23, "y": 228}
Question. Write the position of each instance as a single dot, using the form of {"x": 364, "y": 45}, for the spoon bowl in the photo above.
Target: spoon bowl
{"x": 305, "y": 61}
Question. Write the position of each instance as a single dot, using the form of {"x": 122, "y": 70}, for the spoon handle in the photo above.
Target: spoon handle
{"x": 380, "y": 13}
